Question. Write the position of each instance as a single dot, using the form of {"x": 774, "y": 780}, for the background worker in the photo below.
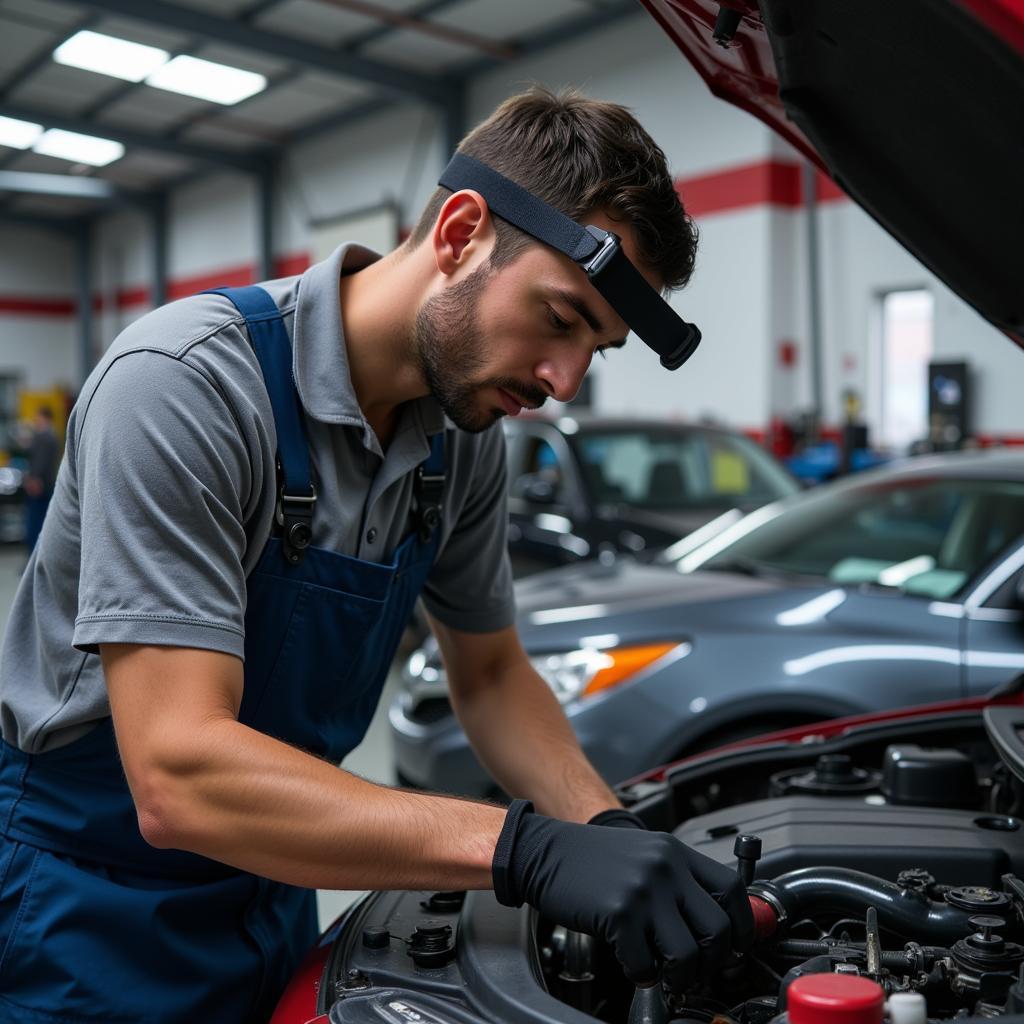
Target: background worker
{"x": 257, "y": 486}
{"x": 41, "y": 473}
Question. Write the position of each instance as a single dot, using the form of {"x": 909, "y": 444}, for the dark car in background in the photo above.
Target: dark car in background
{"x": 895, "y": 586}
{"x": 584, "y": 487}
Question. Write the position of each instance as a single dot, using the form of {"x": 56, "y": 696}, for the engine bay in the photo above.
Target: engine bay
{"x": 891, "y": 854}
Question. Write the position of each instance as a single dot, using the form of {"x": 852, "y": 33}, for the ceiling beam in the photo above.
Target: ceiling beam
{"x": 133, "y": 139}
{"x": 409, "y": 84}
{"x": 59, "y": 185}
{"x": 414, "y": 23}
{"x": 564, "y": 32}
{"x": 454, "y": 111}
{"x": 423, "y": 10}
{"x": 65, "y": 226}
{"x": 41, "y": 59}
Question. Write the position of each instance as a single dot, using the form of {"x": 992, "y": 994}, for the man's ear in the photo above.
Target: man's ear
{"x": 463, "y": 233}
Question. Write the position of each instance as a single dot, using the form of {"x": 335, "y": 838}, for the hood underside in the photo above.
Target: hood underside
{"x": 914, "y": 107}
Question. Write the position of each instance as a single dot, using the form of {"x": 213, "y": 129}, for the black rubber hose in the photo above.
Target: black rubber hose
{"x": 805, "y": 949}
{"x": 813, "y": 892}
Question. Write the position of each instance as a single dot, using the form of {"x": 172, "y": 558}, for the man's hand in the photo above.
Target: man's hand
{"x": 617, "y": 817}
{"x": 653, "y": 899}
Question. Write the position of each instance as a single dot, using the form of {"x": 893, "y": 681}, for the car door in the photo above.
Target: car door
{"x": 543, "y": 502}
{"x": 993, "y": 627}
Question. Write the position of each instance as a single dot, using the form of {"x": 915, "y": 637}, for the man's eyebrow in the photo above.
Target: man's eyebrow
{"x": 582, "y": 308}
{"x": 588, "y": 315}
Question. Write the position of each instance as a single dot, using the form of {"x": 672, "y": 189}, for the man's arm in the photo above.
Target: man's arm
{"x": 203, "y": 782}
{"x": 516, "y": 725}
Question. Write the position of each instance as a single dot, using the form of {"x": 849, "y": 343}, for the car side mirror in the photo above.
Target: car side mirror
{"x": 535, "y": 488}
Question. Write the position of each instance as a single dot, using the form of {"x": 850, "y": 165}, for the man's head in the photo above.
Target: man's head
{"x": 522, "y": 324}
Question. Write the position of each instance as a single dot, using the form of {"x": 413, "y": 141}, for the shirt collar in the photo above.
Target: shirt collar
{"x": 320, "y": 359}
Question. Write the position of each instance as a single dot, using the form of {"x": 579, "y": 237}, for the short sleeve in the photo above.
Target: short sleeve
{"x": 162, "y": 471}
{"x": 470, "y": 585}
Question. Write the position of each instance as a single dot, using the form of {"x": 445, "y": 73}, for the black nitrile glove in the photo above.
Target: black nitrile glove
{"x": 652, "y": 898}
{"x": 617, "y": 817}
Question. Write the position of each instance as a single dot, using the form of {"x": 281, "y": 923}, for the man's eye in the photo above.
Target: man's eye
{"x": 557, "y": 322}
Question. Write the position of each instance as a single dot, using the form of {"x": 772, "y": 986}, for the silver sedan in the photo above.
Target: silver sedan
{"x": 894, "y": 587}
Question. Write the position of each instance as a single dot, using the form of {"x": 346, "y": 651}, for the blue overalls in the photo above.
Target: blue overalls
{"x": 95, "y": 924}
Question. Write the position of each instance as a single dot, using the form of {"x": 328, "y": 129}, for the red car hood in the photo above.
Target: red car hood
{"x": 914, "y": 107}
{"x": 1012, "y": 693}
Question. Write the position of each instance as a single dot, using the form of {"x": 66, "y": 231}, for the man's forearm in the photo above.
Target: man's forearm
{"x": 520, "y": 733}
{"x": 204, "y": 782}
{"x": 262, "y": 806}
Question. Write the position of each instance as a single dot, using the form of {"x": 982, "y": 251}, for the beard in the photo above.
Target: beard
{"x": 451, "y": 351}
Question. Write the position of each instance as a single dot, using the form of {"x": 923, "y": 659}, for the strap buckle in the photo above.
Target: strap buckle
{"x": 294, "y": 516}
{"x": 607, "y": 250}
{"x": 429, "y": 490}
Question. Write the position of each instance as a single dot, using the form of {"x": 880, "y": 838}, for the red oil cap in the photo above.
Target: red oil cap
{"x": 834, "y": 999}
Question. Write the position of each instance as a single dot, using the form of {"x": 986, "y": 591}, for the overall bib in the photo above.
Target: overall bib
{"x": 95, "y": 924}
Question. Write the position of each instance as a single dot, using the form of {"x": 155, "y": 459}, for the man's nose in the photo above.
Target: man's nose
{"x": 561, "y": 377}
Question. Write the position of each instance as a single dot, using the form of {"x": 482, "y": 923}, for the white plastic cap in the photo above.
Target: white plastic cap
{"x": 907, "y": 1008}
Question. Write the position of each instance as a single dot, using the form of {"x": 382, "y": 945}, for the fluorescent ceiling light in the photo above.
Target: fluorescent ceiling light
{"x": 81, "y": 149}
{"x": 109, "y": 55}
{"x": 18, "y": 134}
{"x": 206, "y": 80}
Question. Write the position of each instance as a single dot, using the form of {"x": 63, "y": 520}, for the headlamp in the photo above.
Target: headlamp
{"x": 597, "y": 251}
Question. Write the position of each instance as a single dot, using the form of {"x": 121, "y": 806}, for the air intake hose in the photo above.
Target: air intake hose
{"x": 814, "y": 892}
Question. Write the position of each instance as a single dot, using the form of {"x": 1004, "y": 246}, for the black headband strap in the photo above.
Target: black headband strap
{"x": 597, "y": 251}
{"x": 519, "y": 207}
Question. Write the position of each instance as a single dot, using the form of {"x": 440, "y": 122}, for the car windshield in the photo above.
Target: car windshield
{"x": 928, "y": 537}
{"x": 665, "y": 468}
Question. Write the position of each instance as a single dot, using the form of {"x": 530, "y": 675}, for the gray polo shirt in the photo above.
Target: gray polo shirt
{"x": 165, "y": 500}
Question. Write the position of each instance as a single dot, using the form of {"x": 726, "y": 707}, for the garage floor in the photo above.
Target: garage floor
{"x": 372, "y": 760}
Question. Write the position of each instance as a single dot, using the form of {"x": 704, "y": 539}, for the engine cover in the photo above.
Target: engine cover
{"x": 866, "y": 834}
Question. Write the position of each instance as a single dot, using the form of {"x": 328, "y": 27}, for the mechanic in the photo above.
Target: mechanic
{"x": 236, "y": 541}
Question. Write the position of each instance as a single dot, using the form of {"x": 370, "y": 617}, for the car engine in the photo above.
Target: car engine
{"x": 890, "y": 856}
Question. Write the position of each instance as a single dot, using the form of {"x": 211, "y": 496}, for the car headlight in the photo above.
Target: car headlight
{"x": 10, "y": 479}
{"x": 587, "y": 671}
{"x": 570, "y": 674}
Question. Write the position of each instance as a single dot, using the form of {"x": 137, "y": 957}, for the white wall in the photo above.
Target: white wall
{"x": 748, "y": 295}
{"x": 42, "y": 349}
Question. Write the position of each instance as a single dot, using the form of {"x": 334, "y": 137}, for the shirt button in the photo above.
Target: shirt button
{"x": 371, "y": 534}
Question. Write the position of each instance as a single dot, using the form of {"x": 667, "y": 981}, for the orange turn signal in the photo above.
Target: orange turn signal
{"x": 624, "y": 662}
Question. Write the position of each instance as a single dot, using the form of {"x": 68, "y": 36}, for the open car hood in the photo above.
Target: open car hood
{"x": 914, "y": 107}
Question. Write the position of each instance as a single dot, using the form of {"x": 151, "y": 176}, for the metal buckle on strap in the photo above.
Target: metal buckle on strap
{"x": 609, "y": 248}
{"x": 429, "y": 490}
{"x": 294, "y": 514}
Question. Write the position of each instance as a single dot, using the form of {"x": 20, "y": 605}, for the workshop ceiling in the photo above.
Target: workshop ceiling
{"x": 325, "y": 62}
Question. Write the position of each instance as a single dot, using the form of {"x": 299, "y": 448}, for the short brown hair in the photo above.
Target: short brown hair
{"x": 580, "y": 155}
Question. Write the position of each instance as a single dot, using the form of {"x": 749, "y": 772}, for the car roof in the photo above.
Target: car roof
{"x": 588, "y": 422}
{"x": 983, "y": 464}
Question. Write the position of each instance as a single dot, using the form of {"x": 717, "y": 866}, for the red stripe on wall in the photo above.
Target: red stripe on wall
{"x": 284, "y": 266}
{"x": 766, "y": 183}
{"x": 21, "y": 305}
{"x": 294, "y": 263}
{"x": 228, "y": 277}
{"x": 128, "y": 297}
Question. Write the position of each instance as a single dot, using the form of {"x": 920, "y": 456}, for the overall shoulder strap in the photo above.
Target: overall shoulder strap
{"x": 428, "y": 489}
{"x": 296, "y": 496}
